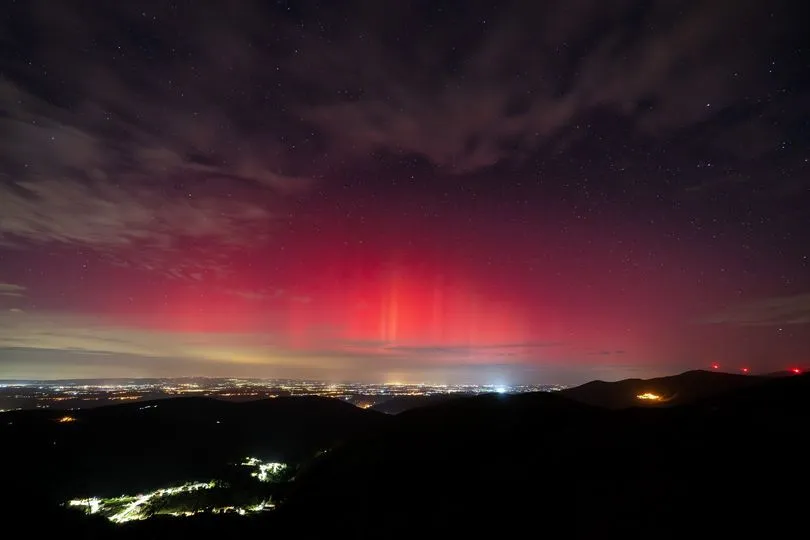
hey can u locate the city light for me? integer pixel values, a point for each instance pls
(169, 501)
(265, 472)
(77, 394)
(92, 504)
(66, 419)
(649, 396)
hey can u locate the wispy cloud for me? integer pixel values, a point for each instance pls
(779, 310)
(257, 295)
(107, 215)
(109, 178)
(466, 349)
(10, 289)
(61, 332)
(497, 102)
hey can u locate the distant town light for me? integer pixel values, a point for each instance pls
(66, 419)
(132, 507)
(649, 396)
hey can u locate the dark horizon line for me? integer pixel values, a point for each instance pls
(182, 377)
(320, 381)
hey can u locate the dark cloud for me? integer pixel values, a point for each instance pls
(262, 92)
(152, 124)
(514, 78)
(777, 311)
(106, 214)
(111, 138)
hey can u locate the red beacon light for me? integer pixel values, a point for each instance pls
(745, 370)
(796, 370)
(715, 366)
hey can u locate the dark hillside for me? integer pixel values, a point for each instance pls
(680, 389)
(138, 446)
(549, 464)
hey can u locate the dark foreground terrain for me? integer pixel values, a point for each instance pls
(722, 456)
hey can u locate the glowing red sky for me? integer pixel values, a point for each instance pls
(528, 193)
(463, 299)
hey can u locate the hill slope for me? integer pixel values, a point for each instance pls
(399, 404)
(144, 445)
(546, 463)
(680, 389)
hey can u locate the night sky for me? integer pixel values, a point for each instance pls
(510, 192)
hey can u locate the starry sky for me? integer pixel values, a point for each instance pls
(450, 192)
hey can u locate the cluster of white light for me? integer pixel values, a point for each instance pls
(134, 509)
(92, 504)
(268, 469)
(265, 471)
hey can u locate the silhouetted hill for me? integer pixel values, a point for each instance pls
(680, 389)
(545, 463)
(137, 446)
(724, 463)
(783, 373)
(414, 466)
(399, 404)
